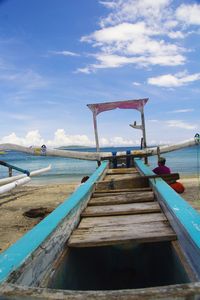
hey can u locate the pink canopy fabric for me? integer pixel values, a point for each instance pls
(97, 108)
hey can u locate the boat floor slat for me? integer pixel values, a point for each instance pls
(122, 171)
(122, 199)
(101, 236)
(91, 222)
(121, 209)
(120, 183)
(132, 176)
(101, 192)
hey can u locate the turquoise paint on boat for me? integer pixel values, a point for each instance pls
(16, 255)
(185, 213)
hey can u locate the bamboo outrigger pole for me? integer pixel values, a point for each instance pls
(101, 155)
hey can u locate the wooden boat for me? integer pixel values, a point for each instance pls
(123, 234)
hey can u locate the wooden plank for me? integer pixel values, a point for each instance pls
(102, 193)
(122, 171)
(184, 262)
(140, 233)
(120, 220)
(122, 209)
(169, 178)
(109, 177)
(122, 199)
(138, 182)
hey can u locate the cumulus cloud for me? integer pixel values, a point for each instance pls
(61, 138)
(181, 124)
(138, 32)
(189, 14)
(176, 80)
(31, 138)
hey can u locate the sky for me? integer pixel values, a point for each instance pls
(57, 56)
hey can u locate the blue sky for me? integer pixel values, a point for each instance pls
(56, 56)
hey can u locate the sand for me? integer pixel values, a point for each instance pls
(13, 205)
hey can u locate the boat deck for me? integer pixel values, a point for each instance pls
(116, 214)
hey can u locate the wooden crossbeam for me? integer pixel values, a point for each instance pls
(109, 221)
(102, 193)
(138, 182)
(122, 198)
(122, 209)
(122, 171)
(140, 233)
(130, 176)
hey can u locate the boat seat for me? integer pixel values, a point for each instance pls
(169, 178)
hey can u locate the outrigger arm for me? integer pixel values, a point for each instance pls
(97, 156)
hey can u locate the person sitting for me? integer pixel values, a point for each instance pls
(162, 169)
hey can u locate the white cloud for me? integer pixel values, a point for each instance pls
(176, 80)
(137, 32)
(64, 53)
(180, 124)
(189, 14)
(31, 138)
(61, 138)
(182, 110)
(86, 70)
(129, 10)
(136, 83)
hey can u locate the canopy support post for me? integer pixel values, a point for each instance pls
(96, 132)
(144, 133)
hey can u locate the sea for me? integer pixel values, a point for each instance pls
(67, 170)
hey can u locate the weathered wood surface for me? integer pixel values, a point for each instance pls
(184, 291)
(122, 209)
(122, 171)
(138, 182)
(122, 199)
(103, 235)
(110, 221)
(185, 263)
(105, 193)
(169, 178)
(109, 177)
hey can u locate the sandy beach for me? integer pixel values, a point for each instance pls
(16, 204)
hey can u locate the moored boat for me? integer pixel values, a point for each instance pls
(123, 234)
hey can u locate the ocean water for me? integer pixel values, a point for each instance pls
(67, 170)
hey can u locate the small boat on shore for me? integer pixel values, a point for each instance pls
(123, 234)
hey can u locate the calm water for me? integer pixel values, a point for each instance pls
(68, 170)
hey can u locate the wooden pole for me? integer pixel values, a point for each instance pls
(144, 133)
(143, 128)
(96, 132)
(10, 172)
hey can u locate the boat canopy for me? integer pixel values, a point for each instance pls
(97, 108)
(138, 104)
